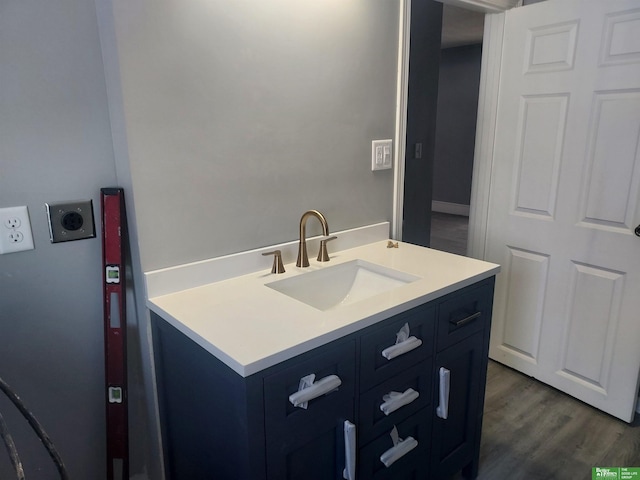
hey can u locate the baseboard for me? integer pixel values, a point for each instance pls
(451, 208)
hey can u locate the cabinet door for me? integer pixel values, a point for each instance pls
(456, 438)
(309, 455)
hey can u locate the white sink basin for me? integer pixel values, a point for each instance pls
(342, 284)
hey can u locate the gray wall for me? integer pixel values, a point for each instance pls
(456, 123)
(236, 117)
(55, 145)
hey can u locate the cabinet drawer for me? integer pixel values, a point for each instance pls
(464, 314)
(374, 367)
(373, 422)
(283, 419)
(413, 465)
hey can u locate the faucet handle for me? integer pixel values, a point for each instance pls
(323, 255)
(277, 267)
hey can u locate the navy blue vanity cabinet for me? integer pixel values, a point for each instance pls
(218, 425)
(464, 322)
(212, 419)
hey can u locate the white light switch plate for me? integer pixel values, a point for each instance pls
(15, 230)
(381, 154)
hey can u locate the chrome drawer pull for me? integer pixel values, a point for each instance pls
(349, 472)
(398, 349)
(400, 448)
(404, 344)
(309, 389)
(464, 321)
(395, 400)
(442, 409)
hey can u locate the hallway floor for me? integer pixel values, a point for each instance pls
(449, 232)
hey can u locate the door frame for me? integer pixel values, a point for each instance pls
(402, 102)
(486, 120)
(485, 133)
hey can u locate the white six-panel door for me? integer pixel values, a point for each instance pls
(565, 199)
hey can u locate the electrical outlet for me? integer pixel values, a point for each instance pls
(15, 230)
(12, 222)
(70, 221)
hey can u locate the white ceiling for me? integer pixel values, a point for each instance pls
(461, 26)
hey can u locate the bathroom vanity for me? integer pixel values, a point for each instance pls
(232, 381)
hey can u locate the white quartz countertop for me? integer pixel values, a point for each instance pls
(250, 327)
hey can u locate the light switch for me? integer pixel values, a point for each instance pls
(386, 156)
(381, 154)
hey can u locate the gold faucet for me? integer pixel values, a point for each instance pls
(303, 259)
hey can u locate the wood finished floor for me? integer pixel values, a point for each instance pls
(532, 431)
(449, 232)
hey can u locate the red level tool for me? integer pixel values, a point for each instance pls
(114, 240)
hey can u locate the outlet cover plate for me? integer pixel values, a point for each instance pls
(15, 230)
(71, 221)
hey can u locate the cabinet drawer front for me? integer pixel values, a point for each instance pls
(414, 464)
(464, 314)
(373, 422)
(282, 418)
(374, 367)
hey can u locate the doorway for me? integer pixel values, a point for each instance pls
(458, 87)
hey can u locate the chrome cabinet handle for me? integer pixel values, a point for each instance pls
(349, 472)
(400, 448)
(443, 394)
(315, 390)
(393, 401)
(401, 348)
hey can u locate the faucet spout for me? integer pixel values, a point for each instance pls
(303, 258)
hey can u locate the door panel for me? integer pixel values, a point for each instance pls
(525, 294)
(541, 133)
(565, 199)
(595, 296)
(611, 194)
